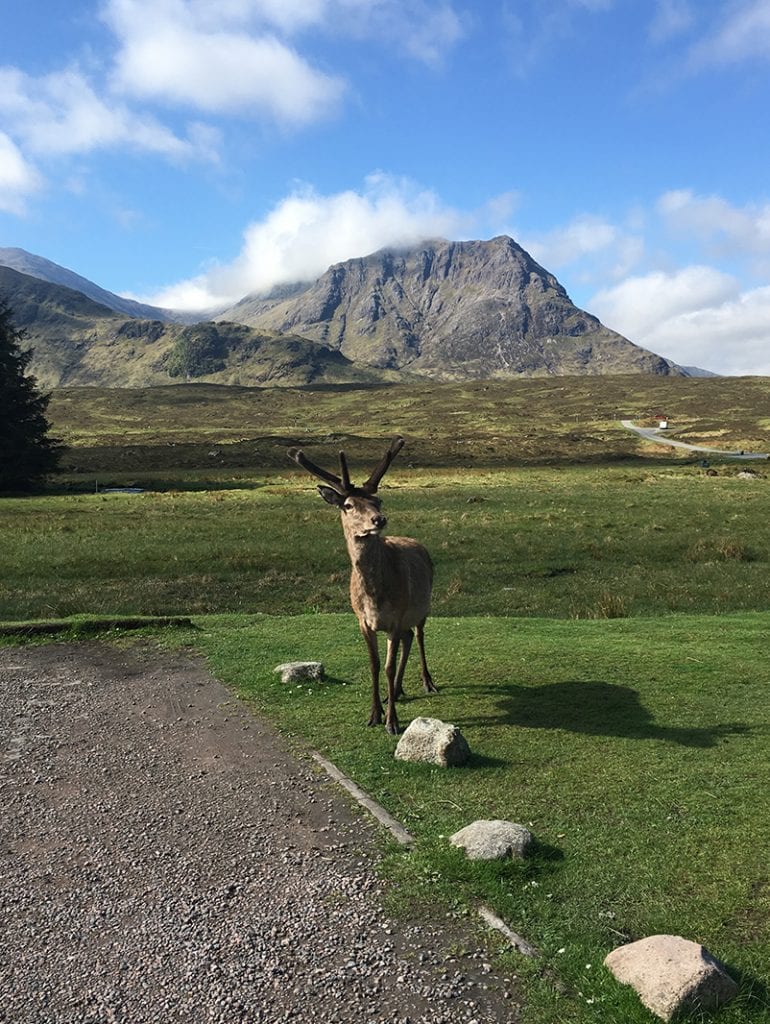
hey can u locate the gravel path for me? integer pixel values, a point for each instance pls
(164, 859)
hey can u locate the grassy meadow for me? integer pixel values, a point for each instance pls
(579, 542)
(599, 631)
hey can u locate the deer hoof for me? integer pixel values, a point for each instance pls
(392, 728)
(429, 686)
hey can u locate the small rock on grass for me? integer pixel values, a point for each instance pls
(297, 671)
(432, 741)
(493, 840)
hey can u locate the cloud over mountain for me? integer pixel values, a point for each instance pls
(306, 232)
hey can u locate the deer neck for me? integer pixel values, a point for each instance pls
(367, 555)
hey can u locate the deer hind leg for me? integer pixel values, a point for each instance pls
(406, 645)
(375, 718)
(427, 681)
(391, 718)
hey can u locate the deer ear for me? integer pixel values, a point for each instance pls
(331, 496)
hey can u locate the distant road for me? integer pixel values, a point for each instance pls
(657, 435)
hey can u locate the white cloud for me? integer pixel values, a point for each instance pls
(497, 211)
(286, 15)
(672, 18)
(636, 306)
(306, 233)
(429, 33)
(724, 228)
(732, 337)
(233, 57)
(423, 29)
(61, 113)
(228, 58)
(696, 316)
(603, 249)
(165, 56)
(744, 34)
(583, 235)
(18, 178)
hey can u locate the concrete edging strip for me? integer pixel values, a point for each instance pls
(401, 835)
(396, 829)
(519, 943)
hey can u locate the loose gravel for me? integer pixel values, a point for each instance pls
(164, 858)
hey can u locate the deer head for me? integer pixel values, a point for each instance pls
(360, 507)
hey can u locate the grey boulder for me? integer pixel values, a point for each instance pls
(493, 840)
(298, 671)
(432, 741)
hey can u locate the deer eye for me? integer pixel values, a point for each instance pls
(347, 506)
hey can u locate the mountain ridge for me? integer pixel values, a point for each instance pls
(46, 270)
(76, 341)
(442, 310)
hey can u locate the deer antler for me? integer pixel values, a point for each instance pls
(346, 481)
(370, 485)
(340, 485)
(343, 484)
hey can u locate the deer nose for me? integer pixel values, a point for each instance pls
(380, 522)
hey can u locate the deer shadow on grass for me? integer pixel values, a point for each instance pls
(595, 708)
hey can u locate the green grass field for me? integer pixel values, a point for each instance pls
(583, 542)
(599, 633)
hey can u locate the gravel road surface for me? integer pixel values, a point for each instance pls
(658, 436)
(164, 858)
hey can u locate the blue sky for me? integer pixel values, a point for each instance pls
(188, 152)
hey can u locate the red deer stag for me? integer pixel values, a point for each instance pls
(391, 578)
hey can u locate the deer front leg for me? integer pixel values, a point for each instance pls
(375, 718)
(391, 718)
(406, 645)
(427, 681)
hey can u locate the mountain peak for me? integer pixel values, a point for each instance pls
(451, 310)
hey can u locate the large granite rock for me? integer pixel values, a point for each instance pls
(300, 671)
(672, 975)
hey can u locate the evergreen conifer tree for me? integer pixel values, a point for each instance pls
(27, 453)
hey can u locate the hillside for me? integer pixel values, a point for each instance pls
(76, 341)
(451, 311)
(46, 270)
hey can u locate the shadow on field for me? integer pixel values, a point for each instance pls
(597, 708)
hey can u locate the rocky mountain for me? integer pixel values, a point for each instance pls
(76, 341)
(443, 310)
(45, 270)
(450, 310)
